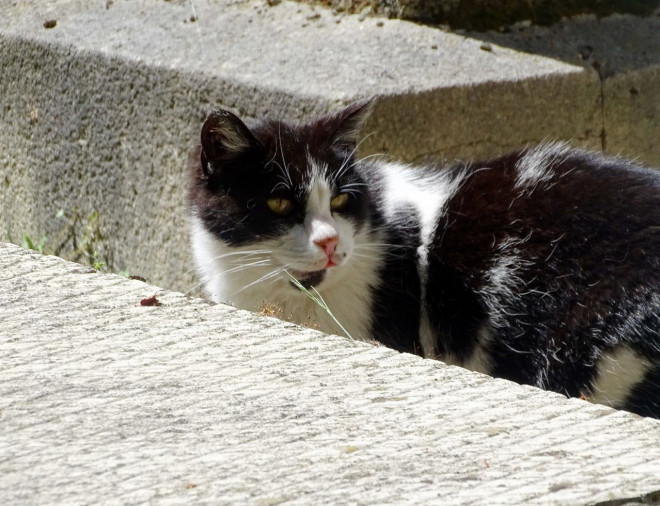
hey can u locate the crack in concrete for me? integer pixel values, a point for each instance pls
(602, 75)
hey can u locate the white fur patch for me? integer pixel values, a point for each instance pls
(426, 191)
(618, 371)
(224, 270)
(503, 279)
(536, 165)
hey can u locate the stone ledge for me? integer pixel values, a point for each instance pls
(104, 399)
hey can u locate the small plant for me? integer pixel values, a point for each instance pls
(98, 264)
(318, 300)
(78, 239)
(28, 243)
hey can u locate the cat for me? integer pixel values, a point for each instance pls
(541, 266)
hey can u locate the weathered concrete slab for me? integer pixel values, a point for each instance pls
(103, 400)
(100, 111)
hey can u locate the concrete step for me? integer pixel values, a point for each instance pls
(104, 400)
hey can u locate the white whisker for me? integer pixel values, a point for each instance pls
(261, 279)
(194, 287)
(374, 155)
(371, 257)
(361, 160)
(285, 169)
(344, 166)
(242, 267)
(377, 246)
(244, 253)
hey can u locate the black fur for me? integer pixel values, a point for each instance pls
(396, 305)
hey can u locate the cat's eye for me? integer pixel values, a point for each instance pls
(339, 202)
(280, 206)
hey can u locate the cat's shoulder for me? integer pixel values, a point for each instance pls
(557, 168)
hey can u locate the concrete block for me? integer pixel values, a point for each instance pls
(100, 111)
(477, 121)
(105, 400)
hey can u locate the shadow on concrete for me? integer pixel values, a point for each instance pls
(612, 45)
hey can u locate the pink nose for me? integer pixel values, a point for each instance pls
(328, 244)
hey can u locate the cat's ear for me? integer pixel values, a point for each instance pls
(224, 138)
(350, 122)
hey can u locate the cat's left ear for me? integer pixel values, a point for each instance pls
(349, 123)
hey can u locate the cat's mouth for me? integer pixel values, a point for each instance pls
(309, 279)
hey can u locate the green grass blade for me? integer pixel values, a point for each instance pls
(319, 301)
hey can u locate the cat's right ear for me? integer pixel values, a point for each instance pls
(224, 138)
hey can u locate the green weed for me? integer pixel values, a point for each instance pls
(318, 300)
(78, 240)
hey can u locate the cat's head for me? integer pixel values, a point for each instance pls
(288, 191)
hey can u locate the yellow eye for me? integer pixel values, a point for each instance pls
(280, 206)
(339, 202)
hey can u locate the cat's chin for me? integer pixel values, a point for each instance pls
(309, 279)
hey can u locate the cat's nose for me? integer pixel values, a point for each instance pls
(328, 244)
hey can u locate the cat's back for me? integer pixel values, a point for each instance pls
(545, 264)
(551, 198)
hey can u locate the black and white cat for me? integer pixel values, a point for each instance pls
(542, 266)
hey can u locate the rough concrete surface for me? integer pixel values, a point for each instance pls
(100, 111)
(103, 400)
